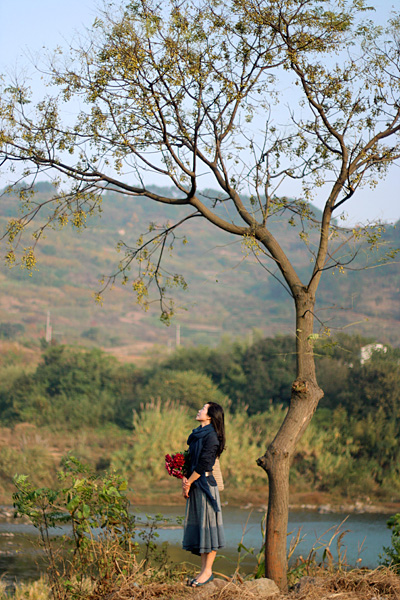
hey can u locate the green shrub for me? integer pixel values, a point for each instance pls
(70, 386)
(102, 530)
(158, 429)
(391, 554)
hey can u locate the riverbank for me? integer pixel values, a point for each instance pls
(364, 537)
(358, 535)
(242, 501)
(358, 584)
(257, 500)
(39, 451)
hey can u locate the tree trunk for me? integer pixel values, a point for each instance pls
(277, 459)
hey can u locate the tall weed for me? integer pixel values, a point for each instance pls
(35, 460)
(161, 428)
(33, 590)
(244, 443)
(158, 429)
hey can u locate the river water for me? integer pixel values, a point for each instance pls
(364, 537)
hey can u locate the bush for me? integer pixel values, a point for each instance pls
(391, 556)
(158, 429)
(71, 386)
(9, 331)
(102, 530)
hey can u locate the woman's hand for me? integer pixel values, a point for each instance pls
(185, 487)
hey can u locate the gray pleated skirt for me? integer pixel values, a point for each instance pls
(203, 527)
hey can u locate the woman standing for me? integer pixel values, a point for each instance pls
(203, 529)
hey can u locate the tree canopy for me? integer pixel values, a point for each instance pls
(196, 92)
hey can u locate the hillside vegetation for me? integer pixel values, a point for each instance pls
(125, 417)
(228, 292)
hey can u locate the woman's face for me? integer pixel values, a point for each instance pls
(202, 415)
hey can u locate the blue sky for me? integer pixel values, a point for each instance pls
(30, 25)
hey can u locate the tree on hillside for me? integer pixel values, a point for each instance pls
(193, 92)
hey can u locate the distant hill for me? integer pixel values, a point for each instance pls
(227, 294)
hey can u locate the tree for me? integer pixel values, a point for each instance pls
(191, 92)
(186, 388)
(71, 386)
(224, 365)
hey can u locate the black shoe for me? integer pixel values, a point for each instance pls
(194, 583)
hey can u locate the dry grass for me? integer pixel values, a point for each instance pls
(35, 590)
(380, 584)
(222, 590)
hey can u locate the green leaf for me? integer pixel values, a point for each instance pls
(73, 504)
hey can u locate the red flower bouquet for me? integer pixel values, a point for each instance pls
(177, 465)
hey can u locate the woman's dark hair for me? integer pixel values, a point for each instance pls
(216, 413)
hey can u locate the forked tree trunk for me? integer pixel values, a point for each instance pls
(276, 461)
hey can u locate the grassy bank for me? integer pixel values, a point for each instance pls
(323, 585)
(159, 429)
(126, 560)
